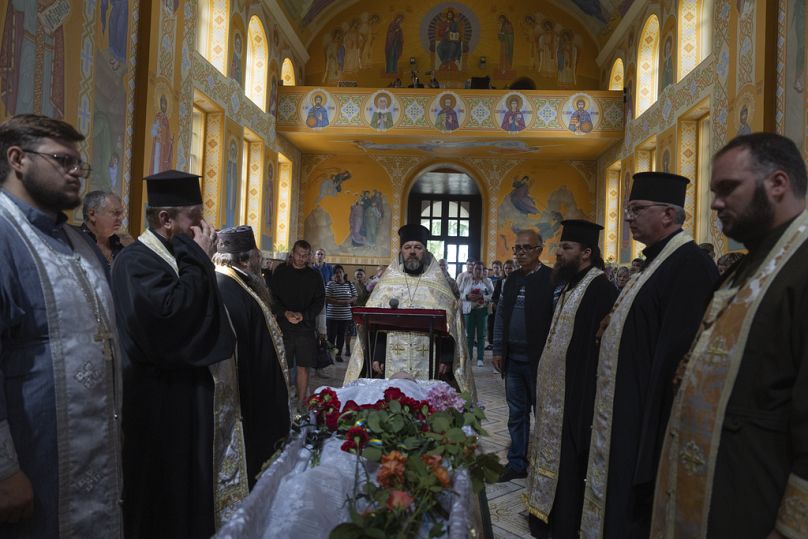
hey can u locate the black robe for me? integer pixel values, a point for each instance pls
(658, 331)
(171, 328)
(262, 387)
(765, 432)
(579, 403)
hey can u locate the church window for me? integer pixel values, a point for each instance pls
(255, 85)
(647, 65)
(616, 78)
(288, 72)
(211, 31)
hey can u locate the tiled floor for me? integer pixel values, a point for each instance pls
(508, 512)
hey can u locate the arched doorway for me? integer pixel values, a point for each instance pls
(448, 202)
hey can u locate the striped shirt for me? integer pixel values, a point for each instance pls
(341, 291)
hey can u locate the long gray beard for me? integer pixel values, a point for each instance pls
(259, 286)
(413, 265)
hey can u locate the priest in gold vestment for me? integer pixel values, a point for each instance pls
(414, 281)
(735, 459)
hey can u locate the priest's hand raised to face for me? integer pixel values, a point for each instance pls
(16, 498)
(205, 237)
(378, 367)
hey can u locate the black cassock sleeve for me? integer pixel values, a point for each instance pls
(168, 320)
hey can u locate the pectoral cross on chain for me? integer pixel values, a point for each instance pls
(105, 338)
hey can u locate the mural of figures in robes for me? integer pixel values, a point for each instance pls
(666, 161)
(505, 37)
(580, 119)
(567, 58)
(344, 200)
(231, 200)
(352, 42)
(743, 121)
(318, 114)
(267, 198)
(449, 33)
(236, 72)
(394, 44)
(20, 65)
(367, 36)
(334, 51)
(116, 29)
(533, 34)
(382, 111)
(273, 96)
(548, 46)
(162, 139)
(667, 63)
(529, 204)
(794, 114)
(625, 232)
(513, 119)
(446, 115)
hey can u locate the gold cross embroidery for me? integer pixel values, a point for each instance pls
(105, 338)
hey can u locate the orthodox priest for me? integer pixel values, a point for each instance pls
(183, 459)
(262, 371)
(414, 281)
(60, 370)
(735, 462)
(648, 331)
(565, 387)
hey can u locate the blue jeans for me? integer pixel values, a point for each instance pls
(520, 394)
(475, 324)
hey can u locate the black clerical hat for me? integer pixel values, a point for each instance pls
(659, 187)
(173, 188)
(581, 231)
(237, 239)
(413, 232)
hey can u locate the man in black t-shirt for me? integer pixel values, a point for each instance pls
(298, 296)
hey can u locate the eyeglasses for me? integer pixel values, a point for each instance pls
(633, 211)
(524, 248)
(69, 163)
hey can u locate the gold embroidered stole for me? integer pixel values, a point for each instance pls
(272, 324)
(544, 454)
(597, 473)
(431, 291)
(687, 467)
(230, 485)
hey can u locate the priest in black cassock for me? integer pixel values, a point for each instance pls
(735, 461)
(262, 371)
(182, 455)
(565, 385)
(648, 331)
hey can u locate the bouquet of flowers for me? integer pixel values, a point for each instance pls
(407, 452)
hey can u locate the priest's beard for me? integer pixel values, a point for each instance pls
(413, 265)
(563, 272)
(257, 284)
(753, 222)
(48, 196)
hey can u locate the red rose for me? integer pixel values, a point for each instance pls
(348, 446)
(332, 420)
(393, 394)
(358, 435)
(350, 406)
(399, 499)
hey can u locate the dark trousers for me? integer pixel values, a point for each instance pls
(336, 332)
(520, 394)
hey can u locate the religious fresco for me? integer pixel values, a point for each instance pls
(347, 208)
(382, 111)
(268, 202)
(236, 70)
(514, 112)
(667, 62)
(449, 147)
(393, 44)
(94, 93)
(540, 195)
(162, 147)
(232, 185)
(318, 109)
(451, 32)
(447, 112)
(581, 113)
(793, 84)
(348, 46)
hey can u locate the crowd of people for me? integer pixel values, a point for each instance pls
(145, 382)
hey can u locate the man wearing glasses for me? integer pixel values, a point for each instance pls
(60, 409)
(648, 331)
(523, 318)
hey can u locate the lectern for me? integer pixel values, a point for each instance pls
(374, 319)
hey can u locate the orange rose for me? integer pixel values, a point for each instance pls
(399, 499)
(442, 475)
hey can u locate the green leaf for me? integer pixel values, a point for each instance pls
(373, 454)
(436, 530)
(440, 422)
(346, 530)
(456, 436)
(394, 406)
(374, 422)
(374, 532)
(395, 423)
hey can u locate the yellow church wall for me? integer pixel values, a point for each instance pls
(738, 74)
(528, 38)
(539, 195)
(76, 62)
